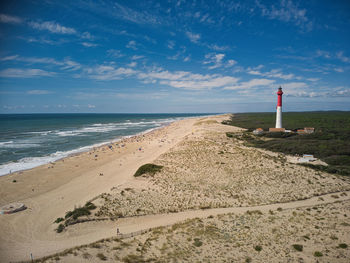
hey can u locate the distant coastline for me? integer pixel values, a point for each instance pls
(31, 140)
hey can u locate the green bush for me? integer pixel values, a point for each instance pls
(101, 256)
(60, 219)
(197, 242)
(90, 206)
(318, 254)
(298, 247)
(342, 245)
(81, 211)
(68, 214)
(229, 134)
(148, 168)
(60, 228)
(338, 159)
(258, 248)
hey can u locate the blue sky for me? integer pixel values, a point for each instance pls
(173, 56)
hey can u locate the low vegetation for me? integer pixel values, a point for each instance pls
(72, 216)
(149, 168)
(265, 237)
(298, 247)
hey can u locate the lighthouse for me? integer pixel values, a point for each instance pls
(279, 108)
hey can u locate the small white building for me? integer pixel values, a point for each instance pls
(258, 131)
(307, 158)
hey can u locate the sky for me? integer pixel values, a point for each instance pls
(173, 56)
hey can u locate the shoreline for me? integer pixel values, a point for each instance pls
(50, 190)
(51, 158)
(204, 171)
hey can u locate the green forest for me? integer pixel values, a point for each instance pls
(330, 142)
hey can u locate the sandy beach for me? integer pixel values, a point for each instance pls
(205, 174)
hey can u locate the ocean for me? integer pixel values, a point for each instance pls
(30, 140)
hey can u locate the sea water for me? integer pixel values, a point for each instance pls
(30, 140)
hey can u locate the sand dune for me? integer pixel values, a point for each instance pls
(204, 173)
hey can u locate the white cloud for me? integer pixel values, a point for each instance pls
(274, 73)
(89, 44)
(87, 35)
(66, 64)
(294, 85)
(44, 40)
(132, 64)
(52, 27)
(188, 58)
(69, 64)
(313, 79)
(337, 69)
(115, 53)
(38, 92)
(217, 61)
(132, 45)
(340, 55)
(231, 62)
(297, 89)
(322, 53)
(193, 37)
(171, 44)
(9, 58)
(131, 15)
(214, 59)
(135, 57)
(287, 11)
(218, 48)
(10, 19)
(325, 92)
(251, 83)
(109, 72)
(24, 73)
(188, 80)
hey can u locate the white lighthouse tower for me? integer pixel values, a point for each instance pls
(279, 108)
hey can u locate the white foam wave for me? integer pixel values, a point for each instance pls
(40, 133)
(5, 143)
(95, 128)
(18, 144)
(31, 162)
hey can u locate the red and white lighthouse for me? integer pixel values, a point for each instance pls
(279, 108)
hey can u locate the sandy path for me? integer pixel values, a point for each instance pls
(72, 183)
(86, 233)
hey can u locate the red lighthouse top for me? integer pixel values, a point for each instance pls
(279, 97)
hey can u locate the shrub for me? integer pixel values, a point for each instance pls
(258, 248)
(133, 259)
(101, 256)
(60, 228)
(68, 214)
(90, 206)
(298, 247)
(81, 211)
(318, 254)
(197, 242)
(60, 219)
(342, 245)
(229, 134)
(148, 168)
